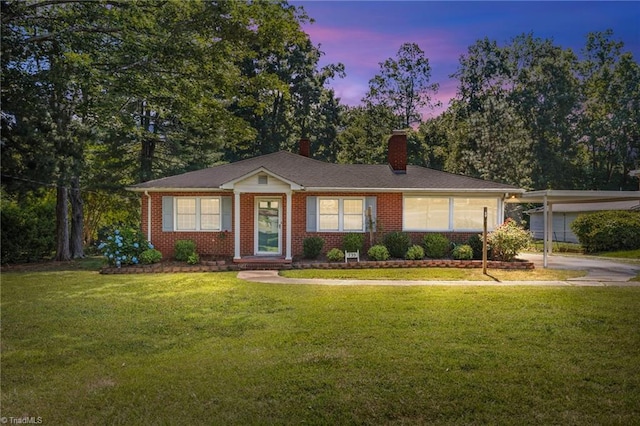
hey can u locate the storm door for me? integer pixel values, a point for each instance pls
(269, 226)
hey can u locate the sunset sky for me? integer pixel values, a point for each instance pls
(360, 34)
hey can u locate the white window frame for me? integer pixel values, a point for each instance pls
(341, 214)
(198, 215)
(451, 228)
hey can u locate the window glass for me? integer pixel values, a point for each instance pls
(468, 213)
(185, 214)
(329, 214)
(353, 220)
(328, 206)
(426, 213)
(340, 214)
(209, 213)
(197, 213)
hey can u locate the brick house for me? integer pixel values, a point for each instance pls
(266, 206)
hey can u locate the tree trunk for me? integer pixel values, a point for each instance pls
(62, 225)
(77, 219)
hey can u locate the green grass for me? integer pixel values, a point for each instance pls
(436, 274)
(81, 348)
(622, 254)
(557, 246)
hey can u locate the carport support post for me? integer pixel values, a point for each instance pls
(545, 233)
(484, 243)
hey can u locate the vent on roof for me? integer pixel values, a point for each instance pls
(263, 180)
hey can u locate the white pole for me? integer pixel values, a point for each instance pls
(545, 231)
(236, 225)
(288, 231)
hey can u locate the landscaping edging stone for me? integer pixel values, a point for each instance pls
(221, 265)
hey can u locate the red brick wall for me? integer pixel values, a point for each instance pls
(207, 243)
(389, 217)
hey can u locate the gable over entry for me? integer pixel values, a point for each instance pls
(550, 197)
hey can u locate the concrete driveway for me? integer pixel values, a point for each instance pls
(598, 269)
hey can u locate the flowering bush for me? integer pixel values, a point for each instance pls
(508, 240)
(124, 247)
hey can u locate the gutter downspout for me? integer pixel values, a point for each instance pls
(148, 215)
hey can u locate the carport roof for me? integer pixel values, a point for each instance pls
(554, 196)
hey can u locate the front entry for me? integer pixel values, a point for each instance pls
(268, 227)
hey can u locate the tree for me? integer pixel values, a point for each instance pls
(610, 129)
(516, 106)
(285, 96)
(403, 85)
(363, 140)
(46, 48)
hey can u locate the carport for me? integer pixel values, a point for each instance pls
(549, 197)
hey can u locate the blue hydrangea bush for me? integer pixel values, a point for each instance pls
(124, 246)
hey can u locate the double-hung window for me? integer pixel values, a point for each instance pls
(197, 213)
(341, 214)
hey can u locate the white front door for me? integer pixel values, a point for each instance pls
(268, 235)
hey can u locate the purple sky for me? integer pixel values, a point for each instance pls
(360, 34)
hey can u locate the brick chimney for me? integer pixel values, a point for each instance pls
(398, 151)
(305, 147)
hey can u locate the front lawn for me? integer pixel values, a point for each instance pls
(82, 348)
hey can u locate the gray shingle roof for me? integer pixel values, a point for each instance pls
(319, 175)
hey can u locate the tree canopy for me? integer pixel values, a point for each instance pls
(98, 95)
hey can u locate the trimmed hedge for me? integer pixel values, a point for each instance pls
(335, 255)
(436, 246)
(397, 243)
(184, 249)
(352, 242)
(608, 230)
(312, 247)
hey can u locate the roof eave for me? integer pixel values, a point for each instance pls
(167, 189)
(422, 190)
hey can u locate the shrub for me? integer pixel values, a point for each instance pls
(352, 242)
(475, 241)
(28, 227)
(312, 246)
(193, 259)
(150, 256)
(462, 252)
(124, 247)
(608, 230)
(183, 249)
(508, 240)
(335, 255)
(397, 243)
(378, 252)
(436, 246)
(415, 252)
